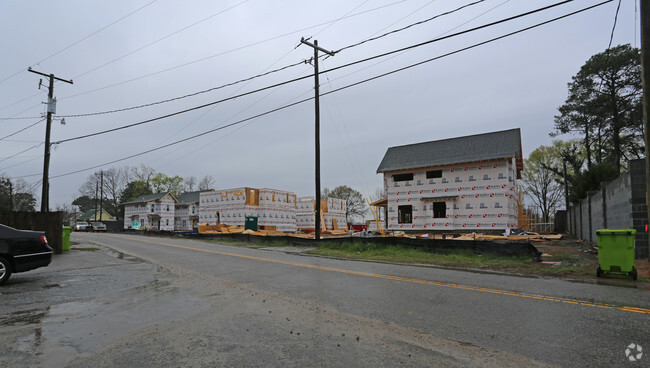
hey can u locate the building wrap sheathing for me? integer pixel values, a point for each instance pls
(332, 209)
(476, 197)
(273, 208)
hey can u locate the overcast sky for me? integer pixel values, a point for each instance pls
(126, 53)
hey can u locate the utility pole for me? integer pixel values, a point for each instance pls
(317, 129)
(101, 195)
(51, 109)
(11, 196)
(566, 199)
(96, 190)
(645, 80)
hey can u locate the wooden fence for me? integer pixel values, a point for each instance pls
(49, 222)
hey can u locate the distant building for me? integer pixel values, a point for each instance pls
(151, 211)
(96, 215)
(273, 208)
(186, 213)
(464, 184)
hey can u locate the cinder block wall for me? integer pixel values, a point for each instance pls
(621, 204)
(639, 207)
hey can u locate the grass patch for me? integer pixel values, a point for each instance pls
(392, 253)
(571, 266)
(247, 244)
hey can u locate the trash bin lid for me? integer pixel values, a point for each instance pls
(616, 232)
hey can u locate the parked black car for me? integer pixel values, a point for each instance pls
(22, 250)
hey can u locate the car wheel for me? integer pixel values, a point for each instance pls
(5, 270)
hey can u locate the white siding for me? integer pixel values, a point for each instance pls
(486, 197)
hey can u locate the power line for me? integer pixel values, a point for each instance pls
(210, 57)
(468, 47)
(23, 151)
(409, 26)
(611, 37)
(12, 134)
(229, 51)
(332, 91)
(330, 70)
(81, 40)
(182, 111)
(185, 96)
(21, 163)
(160, 39)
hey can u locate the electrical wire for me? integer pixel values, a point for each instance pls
(209, 57)
(330, 70)
(409, 26)
(23, 151)
(21, 163)
(228, 52)
(77, 42)
(611, 37)
(160, 39)
(332, 91)
(466, 48)
(23, 129)
(185, 96)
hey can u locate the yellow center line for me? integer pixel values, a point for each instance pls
(412, 280)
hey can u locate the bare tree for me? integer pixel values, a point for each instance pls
(190, 183)
(144, 174)
(115, 180)
(206, 183)
(355, 205)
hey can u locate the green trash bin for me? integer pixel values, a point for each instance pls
(616, 252)
(251, 223)
(66, 238)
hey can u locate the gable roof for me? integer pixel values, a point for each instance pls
(191, 197)
(103, 216)
(150, 197)
(471, 148)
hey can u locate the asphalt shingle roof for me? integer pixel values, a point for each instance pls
(191, 197)
(471, 148)
(147, 198)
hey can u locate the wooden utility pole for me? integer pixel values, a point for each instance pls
(645, 79)
(96, 190)
(51, 109)
(317, 212)
(101, 195)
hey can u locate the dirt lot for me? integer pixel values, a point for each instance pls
(572, 251)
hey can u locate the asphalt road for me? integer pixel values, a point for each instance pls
(167, 302)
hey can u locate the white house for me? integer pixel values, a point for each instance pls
(465, 184)
(186, 213)
(151, 211)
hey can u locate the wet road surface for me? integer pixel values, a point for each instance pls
(167, 302)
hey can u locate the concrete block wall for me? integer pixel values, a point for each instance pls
(620, 204)
(639, 207)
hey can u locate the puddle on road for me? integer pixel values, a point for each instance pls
(59, 333)
(120, 255)
(26, 317)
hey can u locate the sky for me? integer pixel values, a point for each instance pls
(124, 54)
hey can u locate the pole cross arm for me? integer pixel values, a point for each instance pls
(49, 75)
(330, 53)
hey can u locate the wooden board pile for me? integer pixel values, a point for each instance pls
(220, 229)
(529, 236)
